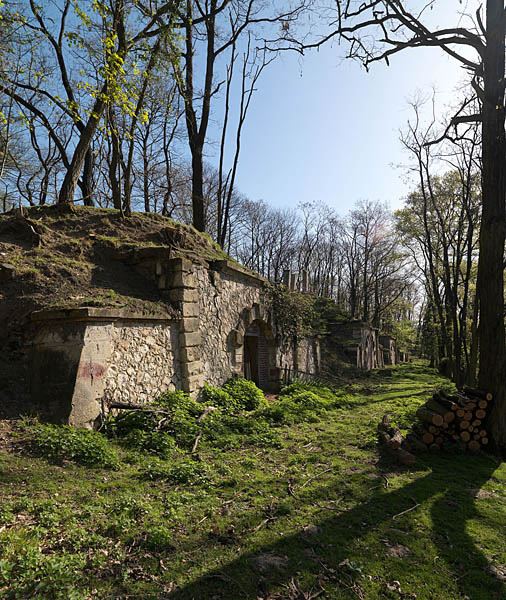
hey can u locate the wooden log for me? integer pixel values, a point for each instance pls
(468, 416)
(460, 413)
(476, 423)
(404, 457)
(390, 436)
(470, 429)
(483, 433)
(434, 447)
(393, 439)
(385, 423)
(438, 440)
(427, 438)
(465, 436)
(464, 424)
(445, 425)
(384, 437)
(429, 416)
(462, 399)
(423, 434)
(478, 393)
(445, 402)
(476, 436)
(433, 429)
(484, 441)
(435, 406)
(396, 439)
(450, 397)
(413, 443)
(480, 414)
(483, 404)
(473, 445)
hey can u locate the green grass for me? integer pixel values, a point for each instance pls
(318, 512)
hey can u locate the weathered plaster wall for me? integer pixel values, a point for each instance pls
(361, 345)
(83, 359)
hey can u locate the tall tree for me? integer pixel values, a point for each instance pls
(378, 29)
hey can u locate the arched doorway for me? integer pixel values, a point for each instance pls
(258, 354)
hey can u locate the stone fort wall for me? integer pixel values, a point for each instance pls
(85, 359)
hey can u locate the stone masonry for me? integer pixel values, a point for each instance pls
(85, 359)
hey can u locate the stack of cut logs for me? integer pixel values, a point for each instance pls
(453, 418)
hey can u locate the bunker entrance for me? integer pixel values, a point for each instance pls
(258, 354)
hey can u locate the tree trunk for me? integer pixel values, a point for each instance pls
(490, 283)
(114, 164)
(473, 350)
(69, 184)
(86, 183)
(198, 189)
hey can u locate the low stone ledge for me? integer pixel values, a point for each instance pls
(97, 314)
(228, 265)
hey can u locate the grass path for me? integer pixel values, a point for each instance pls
(322, 516)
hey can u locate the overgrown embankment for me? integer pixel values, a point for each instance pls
(67, 257)
(290, 499)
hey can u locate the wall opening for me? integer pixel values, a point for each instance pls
(259, 355)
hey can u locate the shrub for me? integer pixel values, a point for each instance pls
(6, 514)
(297, 407)
(220, 398)
(31, 574)
(153, 442)
(246, 393)
(126, 422)
(61, 442)
(174, 401)
(174, 414)
(232, 431)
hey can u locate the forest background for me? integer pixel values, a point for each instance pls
(144, 105)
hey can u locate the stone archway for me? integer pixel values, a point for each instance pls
(254, 348)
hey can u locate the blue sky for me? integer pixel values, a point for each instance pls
(320, 128)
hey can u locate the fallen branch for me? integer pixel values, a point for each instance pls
(137, 407)
(407, 510)
(315, 477)
(196, 442)
(260, 525)
(207, 411)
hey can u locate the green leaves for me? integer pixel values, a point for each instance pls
(293, 312)
(61, 442)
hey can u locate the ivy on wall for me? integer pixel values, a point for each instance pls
(293, 313)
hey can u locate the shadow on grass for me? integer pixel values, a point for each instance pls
(445, 490)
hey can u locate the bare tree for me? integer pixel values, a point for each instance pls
(375, 30)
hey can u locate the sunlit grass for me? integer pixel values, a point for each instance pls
(321, 514)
